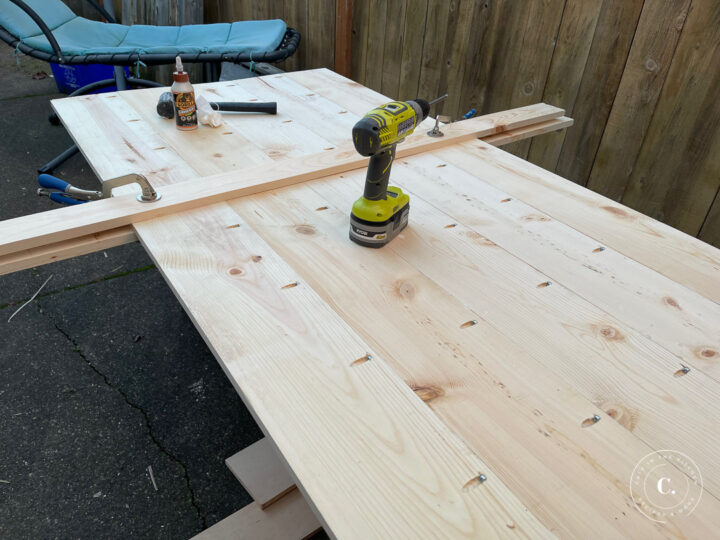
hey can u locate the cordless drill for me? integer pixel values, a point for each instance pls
(382, 212)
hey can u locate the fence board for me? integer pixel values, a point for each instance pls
(638, 76)
(647, 66)
(678, 171)
(603, 70)
(566, 71)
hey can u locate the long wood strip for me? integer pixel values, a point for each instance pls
(74, 247)
(681, 320)
(348, 427)
(622, 372)
(88, 244)
(47, 227)
(680, 257)
(495, 395)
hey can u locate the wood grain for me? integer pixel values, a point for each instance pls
(336, 424)
(678, 172)
(476, 379)
(602, 73)
(575, 37)
(54, 226)
(642, 80)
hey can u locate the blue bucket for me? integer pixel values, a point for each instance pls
(71, 77)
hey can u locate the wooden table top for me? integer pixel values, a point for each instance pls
(449, 384)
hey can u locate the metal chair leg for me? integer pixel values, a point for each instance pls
(51, 165)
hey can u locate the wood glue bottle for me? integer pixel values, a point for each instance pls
(183, 99)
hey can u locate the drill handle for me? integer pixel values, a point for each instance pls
(378, 174)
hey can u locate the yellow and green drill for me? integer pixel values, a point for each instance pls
(382, 212)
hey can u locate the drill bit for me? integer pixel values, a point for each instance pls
(438, 99)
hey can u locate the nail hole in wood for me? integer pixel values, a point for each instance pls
(235, 226)
(451, 226)
(329, 148)
(291, 285)
(544, 284)
(159, 148)
(594, 419)
(342, 112)
(256, 258)
(286, 121)
(598, 249)
(361, 360)
(468, 324)
(682, 372)
(227, 133)
(320, 208)
(507, 200)
(442, 165)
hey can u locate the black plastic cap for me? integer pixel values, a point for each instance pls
(425, 106)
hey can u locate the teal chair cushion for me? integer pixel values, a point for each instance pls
(79, 36)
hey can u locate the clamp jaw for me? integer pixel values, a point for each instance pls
(62, 192)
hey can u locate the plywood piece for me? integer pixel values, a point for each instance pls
(338, 418)
(260, 471)
(290, 517)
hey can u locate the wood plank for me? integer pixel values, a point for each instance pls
(291, 517)
(300, 376)
(373, 56)
(296, 16)
(66, 250)
(677, 173)
(261, 472)
(476, 379)
(534, 130)
(123, 235)
(359, 42)
(611, 43)
(535, 52)
(670, 252)
(680, 320)
(413, 36)
(321, 34)
(647, 66)
(394, 41)
(622, 371)
(343, 36)
(27, 232)
(432, 57)
(566, 72)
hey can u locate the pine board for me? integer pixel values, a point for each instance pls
(441, 401)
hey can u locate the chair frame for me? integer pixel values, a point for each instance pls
(211, 63)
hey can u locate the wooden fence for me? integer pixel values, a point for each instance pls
(640, 78)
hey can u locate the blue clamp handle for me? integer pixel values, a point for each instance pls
(469, 114)
(51, 182)
(62, 199)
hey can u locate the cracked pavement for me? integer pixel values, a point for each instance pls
(102, 375)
